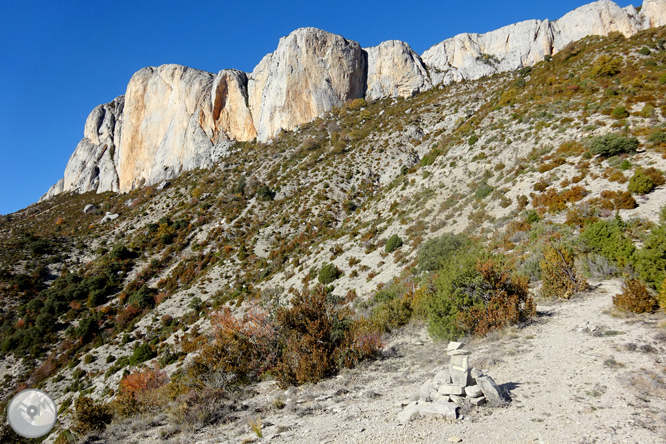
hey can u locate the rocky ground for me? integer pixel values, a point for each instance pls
(581, 372)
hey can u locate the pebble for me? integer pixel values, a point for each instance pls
(455, 439)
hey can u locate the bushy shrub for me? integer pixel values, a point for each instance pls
(394, 242)
(142, 353)
(635, 297)
(612, 145)
(473, 139)
(142, 298)
(139, 391)
(90, 416)
(661, 297)
(264, 193)
(650, 260)
(559, 276)
(482, 191)
(608, 239)
(606, 66)
(620, 113)
(644, 51)
(621, 200)
(328, 273)
(640, 183)
(477, 293)
(436, 251)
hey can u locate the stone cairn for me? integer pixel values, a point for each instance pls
(443, 395)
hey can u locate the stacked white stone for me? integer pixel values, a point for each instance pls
(450, 388)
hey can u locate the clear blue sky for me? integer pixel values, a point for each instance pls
(60, 59)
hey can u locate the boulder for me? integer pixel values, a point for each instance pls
(478, 401)
(473, 391)
(426, 389)
(89, 208)
(440, 409)
(411, 412)
(108, 217)
(442, 377)
(492, 391)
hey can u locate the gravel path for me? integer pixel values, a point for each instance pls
(581, 373)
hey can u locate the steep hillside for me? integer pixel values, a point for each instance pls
(517, 163)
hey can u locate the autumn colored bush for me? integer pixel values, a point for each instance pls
(635, 297)
(139, 391)
(556, 202)
(476, 293)
(559, 276)
(621, 200)
(90, 415)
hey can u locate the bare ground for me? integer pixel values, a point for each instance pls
(569, 384)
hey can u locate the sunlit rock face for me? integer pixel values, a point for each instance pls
(472, 56)
(310, 72)
(394, 69)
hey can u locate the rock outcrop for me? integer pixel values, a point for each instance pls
(394, 69)
(472, 56)
(173, 118)
(92, 166)
(310, 72)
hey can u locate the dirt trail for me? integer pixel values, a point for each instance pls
(568, 385)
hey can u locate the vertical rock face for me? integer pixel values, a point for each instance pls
(92, 166)
(471, 56)
(174, 118)
(394, 69)
(158, 122)
(310, 72)
(654, 12)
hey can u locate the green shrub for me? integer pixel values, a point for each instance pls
(482, 191)
(120, 252)
(608, 240)
(264, 193)
(142, 298)
(87, 329)
(142, 353)
(651, 258)
(645, 51)
(620, 113)
(436, 251)
(613, 145)
(662, 79)
(477, 293)
(640, 183)
(635, 297)
(394, 242)
(472, 139)
(328, 273)
(532, 217)
(657, 138)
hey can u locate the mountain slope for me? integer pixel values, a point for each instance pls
(506, 159)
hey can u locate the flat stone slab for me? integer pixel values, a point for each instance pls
(473, 391)
(441, 409)
(456, 399)
(458, 352)
(492, 391)
(448, 389)
(475, 372)
(454, 346)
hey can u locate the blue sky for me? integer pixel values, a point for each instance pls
(60, 59)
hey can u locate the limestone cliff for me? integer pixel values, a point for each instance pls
(471, 56)
(173, 118)
(394, 69)
(310, 72)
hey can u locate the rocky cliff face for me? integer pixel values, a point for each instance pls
(394, 69)
(472, 56)
(310, 72)
(173, 118)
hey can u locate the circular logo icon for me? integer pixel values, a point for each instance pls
(32, 413)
